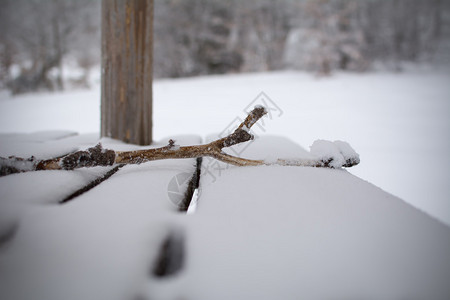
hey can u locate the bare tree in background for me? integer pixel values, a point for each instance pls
(193, 37)
(199, 37)
(404, 30)
(6, 43)
(263, 28)
(127, 55)
(328, 37)
(35, 36)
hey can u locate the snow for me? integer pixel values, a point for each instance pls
(273, 232)
(77, 110)
(397, 122)
(43, 145)
(337, 152)
(266, 232)
(20, 192)
(346, 150)
(306, 238)
(15, 163)
(102, 245)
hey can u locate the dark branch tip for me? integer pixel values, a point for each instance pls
(257, 113)
(238, 136)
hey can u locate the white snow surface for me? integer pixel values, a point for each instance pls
(322, 234)
(398, 122)
(273, 232)
(266, 232)
(101, 246)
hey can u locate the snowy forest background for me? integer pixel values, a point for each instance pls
(49, 45)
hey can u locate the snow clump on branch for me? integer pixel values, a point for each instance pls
(336, 154)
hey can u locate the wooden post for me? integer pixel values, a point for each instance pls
(127, 67)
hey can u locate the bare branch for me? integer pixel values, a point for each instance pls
(94, 156)
(213, 149)
(97, 156)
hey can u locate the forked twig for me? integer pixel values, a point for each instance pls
(97, 156)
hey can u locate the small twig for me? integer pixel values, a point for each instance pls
(97, 156)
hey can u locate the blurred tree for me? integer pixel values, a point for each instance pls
(263, 27)
(328, 37)
(214, 54)
(35, 36)
(6, 44)
(127, 55)
(199, 37)
(192, 37)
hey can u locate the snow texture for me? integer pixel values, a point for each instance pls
(102, 245)
(16, 163)
(273, 232)
(398, 122)
(338, 153)
(267, 232)
(43, 145)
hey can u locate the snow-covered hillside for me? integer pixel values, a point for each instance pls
(398, 123)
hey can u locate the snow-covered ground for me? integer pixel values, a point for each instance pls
(398, 123)
(265, 232)
(272, 232)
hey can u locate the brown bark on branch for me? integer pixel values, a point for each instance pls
(213, 149)
(97, 156)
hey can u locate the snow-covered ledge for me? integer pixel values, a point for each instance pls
(262, 232)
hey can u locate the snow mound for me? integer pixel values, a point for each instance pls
(15, 164)
(338, 154)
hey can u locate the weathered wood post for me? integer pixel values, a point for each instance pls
(127, 67)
